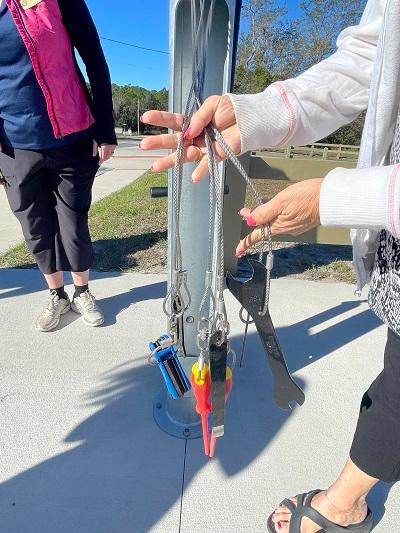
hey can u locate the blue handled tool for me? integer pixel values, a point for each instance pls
(164, 355)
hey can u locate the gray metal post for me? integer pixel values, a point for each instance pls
(177, 417)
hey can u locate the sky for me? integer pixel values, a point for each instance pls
(142, 23)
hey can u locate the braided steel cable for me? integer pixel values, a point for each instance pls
(215, 319)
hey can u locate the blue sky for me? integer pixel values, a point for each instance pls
(143, 23)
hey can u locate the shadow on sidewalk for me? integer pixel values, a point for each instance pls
(121, 476)
(302, 348)
(14, 283)
(117, 303)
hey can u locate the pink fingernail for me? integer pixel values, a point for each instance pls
(279, 525)
(251, 222)
(239, 254)
(187, 133)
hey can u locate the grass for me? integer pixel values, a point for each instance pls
(266, 188)
(128, 228)
(129, 231)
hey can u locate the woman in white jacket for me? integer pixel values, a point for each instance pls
(363, 73)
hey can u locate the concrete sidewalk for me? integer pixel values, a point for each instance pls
(80, 452)
(128, 165)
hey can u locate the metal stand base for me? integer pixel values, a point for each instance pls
(177, 417)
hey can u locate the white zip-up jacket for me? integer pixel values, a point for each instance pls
(363, 73)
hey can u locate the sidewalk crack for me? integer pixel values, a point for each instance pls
(183, 487)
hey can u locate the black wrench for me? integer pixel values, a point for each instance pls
(251, 295)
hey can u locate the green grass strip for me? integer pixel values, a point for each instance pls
(128, 228)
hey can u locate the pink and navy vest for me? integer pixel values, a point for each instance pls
(50, 51)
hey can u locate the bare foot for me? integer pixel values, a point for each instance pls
(320, 502)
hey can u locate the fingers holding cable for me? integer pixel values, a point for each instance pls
(163, 119)
(202, 117)
(282, 225)
(192, 154)
(250, 240)
(292, 212)
(169, 141)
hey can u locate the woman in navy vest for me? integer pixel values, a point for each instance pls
(53, 137)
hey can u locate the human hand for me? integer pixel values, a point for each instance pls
(217, 110)
(105, 151)
(293, 211)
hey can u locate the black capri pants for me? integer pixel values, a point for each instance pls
(376, 445)
(50, 192)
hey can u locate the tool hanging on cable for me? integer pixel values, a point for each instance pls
(163, 354)
(250, 294)
(228, 390)
(201, 386)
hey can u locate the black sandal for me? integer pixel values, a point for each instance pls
(304, 509)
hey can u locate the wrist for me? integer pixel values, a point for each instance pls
(258, 130)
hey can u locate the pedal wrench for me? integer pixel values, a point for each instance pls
(250, 294)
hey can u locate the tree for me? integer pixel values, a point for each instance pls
(251, 81)
(125, 104)
(264, 46)
(321, 22)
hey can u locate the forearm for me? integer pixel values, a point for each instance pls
(102, 106)
(362, 198)
(85, 39)
(307, 108)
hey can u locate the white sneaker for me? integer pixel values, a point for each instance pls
(51, 314)
(86, 305)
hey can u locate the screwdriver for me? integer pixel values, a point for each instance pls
(201, 383)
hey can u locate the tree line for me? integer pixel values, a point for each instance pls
(131, 101)
(275, 43)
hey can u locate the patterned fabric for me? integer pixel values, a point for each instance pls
(384, 294)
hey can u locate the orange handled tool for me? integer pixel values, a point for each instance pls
(201, 384)
(228, 390)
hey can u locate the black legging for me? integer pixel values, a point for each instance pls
(376, 445)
